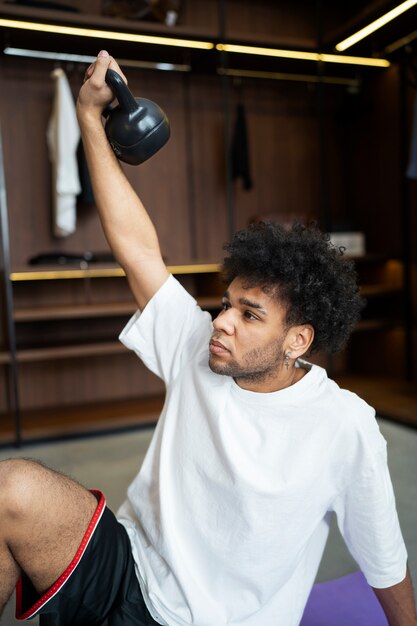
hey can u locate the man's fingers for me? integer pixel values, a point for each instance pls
(100, 67)
(115, 66)
(95, 75)
(97, 70)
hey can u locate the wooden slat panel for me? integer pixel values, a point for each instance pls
(208, 166)
(199, 18)
(65, 382)
(162, 181)
(283, 151)
(272, 21)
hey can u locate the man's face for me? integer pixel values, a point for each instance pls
(248, 337)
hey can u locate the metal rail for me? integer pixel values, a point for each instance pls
(8, 302)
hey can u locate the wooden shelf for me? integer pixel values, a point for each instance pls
(34, 355)
(4, 358)
(86, 419)
(76, 273)
(68, 352)
(82, 311)
(108, 309)
(371, 291)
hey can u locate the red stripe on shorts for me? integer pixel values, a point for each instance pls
(58, 584)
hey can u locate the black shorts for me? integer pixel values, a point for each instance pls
(99, 587)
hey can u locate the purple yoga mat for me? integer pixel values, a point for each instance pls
(346, 601)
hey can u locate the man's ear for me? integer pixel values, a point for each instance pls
(299, 340)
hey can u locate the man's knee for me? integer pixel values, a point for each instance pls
(21, 482)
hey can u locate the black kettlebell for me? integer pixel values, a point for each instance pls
(136, 128)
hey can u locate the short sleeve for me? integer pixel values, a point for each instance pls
(169, 330)
(368, 521)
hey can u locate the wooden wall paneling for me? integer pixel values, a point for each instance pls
(375, 164)
(335, 210)
(271, 21)
(197, 17)
(209, 170)
(283, 151)
(85, 380)
(378, 353)
(25, 102)
(161, 182)
(68, 332)
(3, 326)
(73, 292)
(7, 424)
(340, 156)
(202, 15)
(4, 389)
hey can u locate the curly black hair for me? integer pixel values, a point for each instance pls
(301, 267)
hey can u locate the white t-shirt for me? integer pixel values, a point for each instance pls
(229, 514)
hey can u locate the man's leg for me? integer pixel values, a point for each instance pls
(44, 516)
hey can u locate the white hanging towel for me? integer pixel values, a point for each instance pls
(63, 136)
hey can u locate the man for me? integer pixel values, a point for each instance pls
(227, 520)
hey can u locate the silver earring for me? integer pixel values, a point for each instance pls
(287, 359)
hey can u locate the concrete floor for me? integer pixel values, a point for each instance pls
(109, 463)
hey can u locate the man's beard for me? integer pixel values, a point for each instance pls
(258, 365)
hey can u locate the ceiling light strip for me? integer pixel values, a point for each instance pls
(369, 61)
(375, 25)
(305, 56)
(188, 43)
(105, 34)
(269, 52)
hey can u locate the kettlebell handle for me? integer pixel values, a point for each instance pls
(121, 91)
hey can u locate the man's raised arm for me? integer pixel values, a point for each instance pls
(126, 224)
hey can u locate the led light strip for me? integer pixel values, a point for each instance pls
(110, 272)
(268, 52)
(105, 34)
(336, 58)
(373, 26)
(305, 56)
(188, 43)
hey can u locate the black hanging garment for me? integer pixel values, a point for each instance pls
(86, 197)
(240, 150)
(412, 163)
